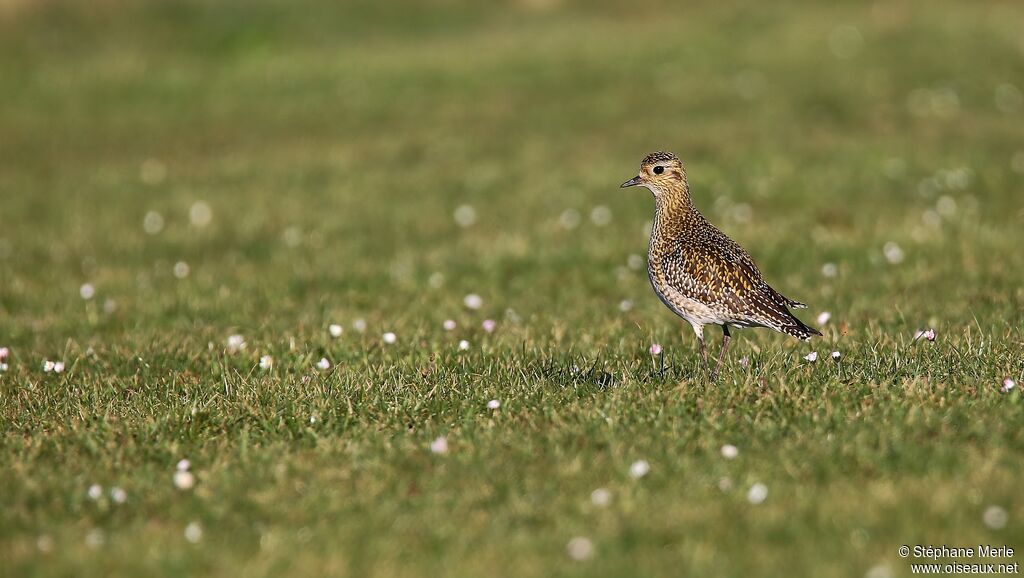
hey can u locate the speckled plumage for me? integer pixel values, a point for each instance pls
(700, 273)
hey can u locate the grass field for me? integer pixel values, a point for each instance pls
(175, 173)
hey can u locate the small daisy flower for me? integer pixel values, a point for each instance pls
(836, 355)
(58, 367)
(118, 495)
(313, 419)
(757, 494)
(1008, 385)
(829, 270)
(439, 445)
(236, 343)
(4, 353)
(493, 404)
(465, 216)
(730, 451)
(95, 492)
(928, 334)
(181, 269)
(266, 362)
(323, 364)
(995, 517)
(812, 356)
(744, 361)
(580, 548)
(463, 345)
(335, 330)
(48, 366)
(449, 325)
(184, 480)
(625, 305)
(489, 325)
(655, 349)
(193, 532)
(183, 465)
(3, 367)
(601, 497)
(359, 325)
(87, 291)
(639, 469)
(390, 338)
(473, 301)
(823, 317)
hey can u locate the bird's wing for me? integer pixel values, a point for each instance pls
(721, 275)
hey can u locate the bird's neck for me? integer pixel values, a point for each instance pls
(673, 214)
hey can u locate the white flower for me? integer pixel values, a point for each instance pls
(313, 419)
(184, 480)
(439, 445)
(823, 317)
(193, 532)
(639, 469)
(266, 362)
(236, 343)
(359, 325)
(995, 517)
(200, 214)
(465, 216)
(829, 270)
(893, 253)
(58, 367)
(87, 291)
(836, 355)
(95, 492)
(183, 465)
(730, 451)
(625, 305)
(3, 367)
(323, 364)
(493, 404)
(580, 548)
(601, 215)
(4, 353)
(449, 325)
(181, 269)
(473, 301)
(569, 219)
(335, 330)
(118, 495)
(48, 366)
(489, 325)
(928, 334)
(390, 338)
(463, 345)
(655, 349)
(153, 223)
(812, 356)
(744, 361)
(1008, 385)
(601, 497)
(757, 493)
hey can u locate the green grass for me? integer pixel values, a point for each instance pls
(334, 141)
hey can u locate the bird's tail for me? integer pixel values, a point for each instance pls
(799, 329)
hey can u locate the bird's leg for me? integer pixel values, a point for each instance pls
(721, 354)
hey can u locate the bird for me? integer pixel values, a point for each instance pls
(701, 274)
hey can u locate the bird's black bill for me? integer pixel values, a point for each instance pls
(631, 182)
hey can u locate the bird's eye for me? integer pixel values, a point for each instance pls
(659, 169)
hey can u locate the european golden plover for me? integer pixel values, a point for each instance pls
(701, 274)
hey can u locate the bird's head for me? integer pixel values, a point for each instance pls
(662, 173)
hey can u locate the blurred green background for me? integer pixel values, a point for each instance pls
(175, 172)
